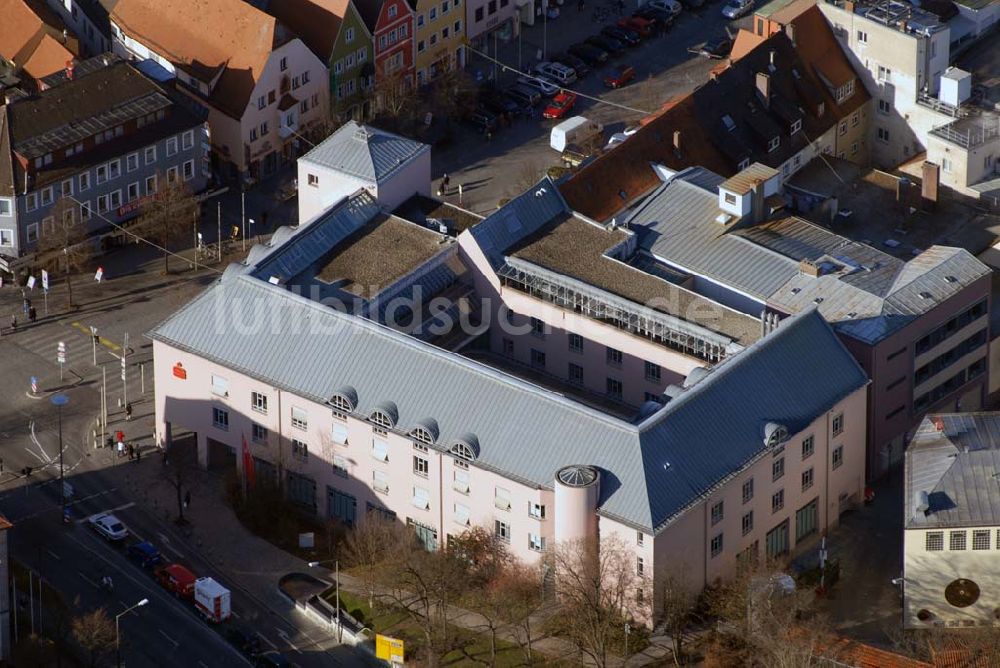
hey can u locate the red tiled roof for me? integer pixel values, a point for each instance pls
(317, 22)
(26, 38)
(859, 655)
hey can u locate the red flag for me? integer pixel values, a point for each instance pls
(248, 472)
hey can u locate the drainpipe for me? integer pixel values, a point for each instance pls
(281, 465)
(704, 542)
(441, 497)
(828, 470)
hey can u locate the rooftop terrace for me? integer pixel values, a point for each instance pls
(420, 209)
(972, 131)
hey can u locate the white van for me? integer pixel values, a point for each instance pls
(577, 130)
(557, 72)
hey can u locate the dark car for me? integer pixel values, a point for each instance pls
(245, 640)
(589, 53)
(619, 76)
(645, 27)
(482, 121)
(525, 97)
(663, 20)
(271, 660)
(145, 554)
(717, 48)
(569, 60)
(609, 44)
(623, 35)
(497, 103)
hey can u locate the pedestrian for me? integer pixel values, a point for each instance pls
(187, 498)
(13, 323)
(164, 459)
(121, 448)
(128, 411)
(131, 452)
(32, 314)
(138, 453)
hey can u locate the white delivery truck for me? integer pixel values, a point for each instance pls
(212, 600)
(577, 130)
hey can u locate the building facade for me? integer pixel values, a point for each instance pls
(440, 38)
(489, 22)
(336, 33)
(393, 24)
(951, 531)
(256, 120)
(88, 20)
(132, 138)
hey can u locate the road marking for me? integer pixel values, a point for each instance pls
(167, 545)
(266, 639)
(54, 555)
(164, 634)
(124, 506)
(103, 341)
(34, 439)
(86, 578)
(284, 636)
(235, 614)
(35, 455)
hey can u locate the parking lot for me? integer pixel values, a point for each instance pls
(498, 167)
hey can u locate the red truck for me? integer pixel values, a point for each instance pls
(177, 579)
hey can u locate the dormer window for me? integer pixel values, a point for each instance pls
(380, 419)
(422, 435)
(744, 163)
(845, 91)
(796, 126)
(463, 451)
(773, 144)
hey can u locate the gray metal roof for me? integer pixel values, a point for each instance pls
(521, 217)
(650, 472)
(870, 294)
(959, 469)
(365, 152)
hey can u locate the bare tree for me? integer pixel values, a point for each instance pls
(453, 94)
(596, 585)
(180, 460)
(675, 604)
(65, 247)
(523, 598)
(367, 546)
(168, 215)
(95, 631)
(394, 94)
(485, 561)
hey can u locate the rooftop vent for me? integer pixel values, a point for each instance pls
(796, 291)
(951, 279)
(923, 504)
(818, 300)
(363, 133)
(926, 295)
(809, 268)
(577, 476)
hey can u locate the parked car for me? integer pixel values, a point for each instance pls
(644, 27)
(481, 121)
(660, 19)
(525, 97)
(672, 7)
(737, 8)
(581, 68)
(145, 554)
(608, 44)
(496, 102)
(590, 54)
(245, 640)
(623, 35)
(717, 48)
(540, 84)
(560, 105)
(557, 73)
(176, 579)
(212, 600)
(108, 526)
(619, 76)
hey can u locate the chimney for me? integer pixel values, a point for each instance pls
(677, 140)
(938, 423)
(763, 82)
(790, 32)
(809, 268)
(757, 213)
(849, 6)
(69, 69)
(930, 180)
(65, 36)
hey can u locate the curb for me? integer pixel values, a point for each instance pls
(45, 394)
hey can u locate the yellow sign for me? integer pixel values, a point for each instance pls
(388, 649)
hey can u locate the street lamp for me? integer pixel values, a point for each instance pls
(118, 651)
(60, 400)
(336, 562)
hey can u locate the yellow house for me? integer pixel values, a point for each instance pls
(440, 38)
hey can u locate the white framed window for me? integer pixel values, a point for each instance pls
(747, 523)
(66, 188)
(536, 543)
(283, 64)
(31, 233)
(6, 237)
(420, 466)
(421, 498)
(748, 490)
(884, 107)
(47, 196)
(718, 512)
(220, 386)
(536, 510)
(115, 199)
(862, 36)
(102, 174)
(501, 499)
(349, 35)
(187, 170)
(338, 432)
(132, 192)
(640, 538)
(392, 11)
(312, 180)
(6, 207)
(220, 418)
(172, 174)
(258, 402)
(114, 169)
(462, 515)
(31, 201)
(84, 181)
(151, 185)
(640, 566)
(773, 144)
(48, 226)
(171, 146)
(380, 481)
(380, 449)
(837, 457)
(150, 155)
(716, 545)
(300, 418)
(807, 478)
(340, 465)
(300, 449)
(86, 213)
(187, 140)
(838, 425)
(501, 530)
(258, 433)
(131, 162)
(102, 204)
(808, 447)
(956, 540)
(460, 482)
